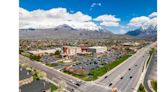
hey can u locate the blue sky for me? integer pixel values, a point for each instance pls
(125, 10)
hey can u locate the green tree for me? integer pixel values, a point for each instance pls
(57, 52)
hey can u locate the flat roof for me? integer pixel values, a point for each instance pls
(98, 47)
(44, 51)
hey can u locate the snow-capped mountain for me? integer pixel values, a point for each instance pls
(64, 32)
(147, 30)
(144, 32)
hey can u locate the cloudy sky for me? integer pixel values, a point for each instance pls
(118, 16)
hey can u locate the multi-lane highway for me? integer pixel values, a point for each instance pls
(149, 71)
(127, 75)
(124, 77)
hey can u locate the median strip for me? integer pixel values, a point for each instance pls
(150, 55)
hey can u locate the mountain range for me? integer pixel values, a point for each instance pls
(67, 32)
(144, 32)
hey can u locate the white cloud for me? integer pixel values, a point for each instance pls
(55, 17)
(104, 23)
(144, 21)
(95, 4)
(152, 22)
(152, 15)
(138, 21)
(99, 4)
(108, 20)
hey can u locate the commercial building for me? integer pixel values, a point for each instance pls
(44, 52)
(130, 44)
(97, 49)
(71, 51)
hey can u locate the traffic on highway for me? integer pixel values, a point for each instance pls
(124, 77)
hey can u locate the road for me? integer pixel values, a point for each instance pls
(102, 84)
(57, 76)
(127, 84)
(149, 71)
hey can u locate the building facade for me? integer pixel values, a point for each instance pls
(71, 51)
(97, 49)
(44, 52)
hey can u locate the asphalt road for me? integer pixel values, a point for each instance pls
(52, 74)
(152, 62)
(57, 77)
(126, 84)
(102, 84)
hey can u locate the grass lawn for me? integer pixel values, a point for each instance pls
(33, 57)
(154, 85)
(150, 54)
(53, 87)
(141, 88)
(107, 67)
(83, 77)
(95, 73)
(51, 64)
